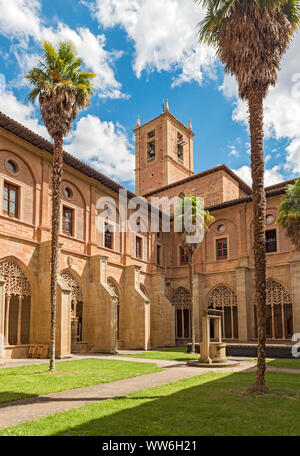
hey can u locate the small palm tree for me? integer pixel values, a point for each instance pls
(289, 213)
(194, 214)
(250, 37)
(62, 88)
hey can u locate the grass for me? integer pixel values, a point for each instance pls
(35, 380)
(173, 354)
(285, 363)
(211, 404)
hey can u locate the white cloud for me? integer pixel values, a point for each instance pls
(23, 113)
(233, 152)
(20, 19)
(104, 146)
(163, 33)
(272, 175)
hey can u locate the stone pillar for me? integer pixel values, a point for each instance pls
(19, 320)
(6, 331)
(63, 320)
(162, 313)
(243, 301)
(295, 290)
(2, 317)
(204, 347)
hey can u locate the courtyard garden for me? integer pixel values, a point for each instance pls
(35, 380)
(210, 404)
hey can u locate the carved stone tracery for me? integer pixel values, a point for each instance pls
(222, 296)
(16, 282)
(76, 293)
(182, 299)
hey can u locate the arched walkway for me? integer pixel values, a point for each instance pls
(279, 312)
(17, 304)
(182, 302)
(76, 307)
(224, 298)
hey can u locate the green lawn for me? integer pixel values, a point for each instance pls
(173, 354)
(286, 363)
(210, 404)
(30, 381)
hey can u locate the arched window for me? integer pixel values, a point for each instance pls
(115, 291)
(225, 299)
(182, 302)
(76, 305)
(17, 304)
(279, 312)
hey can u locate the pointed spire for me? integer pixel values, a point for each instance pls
(138, 123)
(190, 125)
(166, 106)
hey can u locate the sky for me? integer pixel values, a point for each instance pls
(144, 51)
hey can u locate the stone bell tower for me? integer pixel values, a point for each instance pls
(163, 152)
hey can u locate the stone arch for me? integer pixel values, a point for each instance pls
(181, 300)
(279, 311)
(116, 293)
(18, 294)
(224, 298)
(77, 303)
(144, 290)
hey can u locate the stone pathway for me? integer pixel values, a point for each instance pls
(29, 409)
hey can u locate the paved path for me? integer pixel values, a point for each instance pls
(29, 409)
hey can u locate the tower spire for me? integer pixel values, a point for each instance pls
(138, 123)
(166, 106)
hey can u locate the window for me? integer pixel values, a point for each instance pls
(271, 241)
(108, 236)
(183, 256)
(67, 222)
(151, 145)
(222, 249)
(180, 144)
(158, 254)
(10, 200)
(68, 192)
(12, 167)
(138, 247)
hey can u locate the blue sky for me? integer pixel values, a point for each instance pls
(144, 51)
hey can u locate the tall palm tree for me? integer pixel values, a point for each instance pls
(250, 38)
(289, 213)
(62, 88)
(196, 211)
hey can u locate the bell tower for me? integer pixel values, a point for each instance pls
(163, 152)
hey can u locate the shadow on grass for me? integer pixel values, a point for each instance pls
(7, 397)
(213, 406)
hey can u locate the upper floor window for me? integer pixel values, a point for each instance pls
(12, 167)
(138, 247)
(158, 255)
(183, 256)
(108, 236)
(67, 221)
(271, 241)
(151, 145)
(222, 250)
(180, 144)
(10, 200)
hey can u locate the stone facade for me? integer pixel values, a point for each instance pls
(110, 298)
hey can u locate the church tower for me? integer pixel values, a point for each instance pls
(163, 152)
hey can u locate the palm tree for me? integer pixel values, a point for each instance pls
(62, 88)
(250, 38)
(198, 213)
(289, 213)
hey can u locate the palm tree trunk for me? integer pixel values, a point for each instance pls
(259, 214)
(191, 268)
(56, 201)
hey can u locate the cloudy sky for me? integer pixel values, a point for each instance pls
(144, 51)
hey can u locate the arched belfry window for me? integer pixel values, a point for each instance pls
(76, 304)
(183, 305)
(17, 304)
(115, 291)
(224, 298)
(279, 312)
